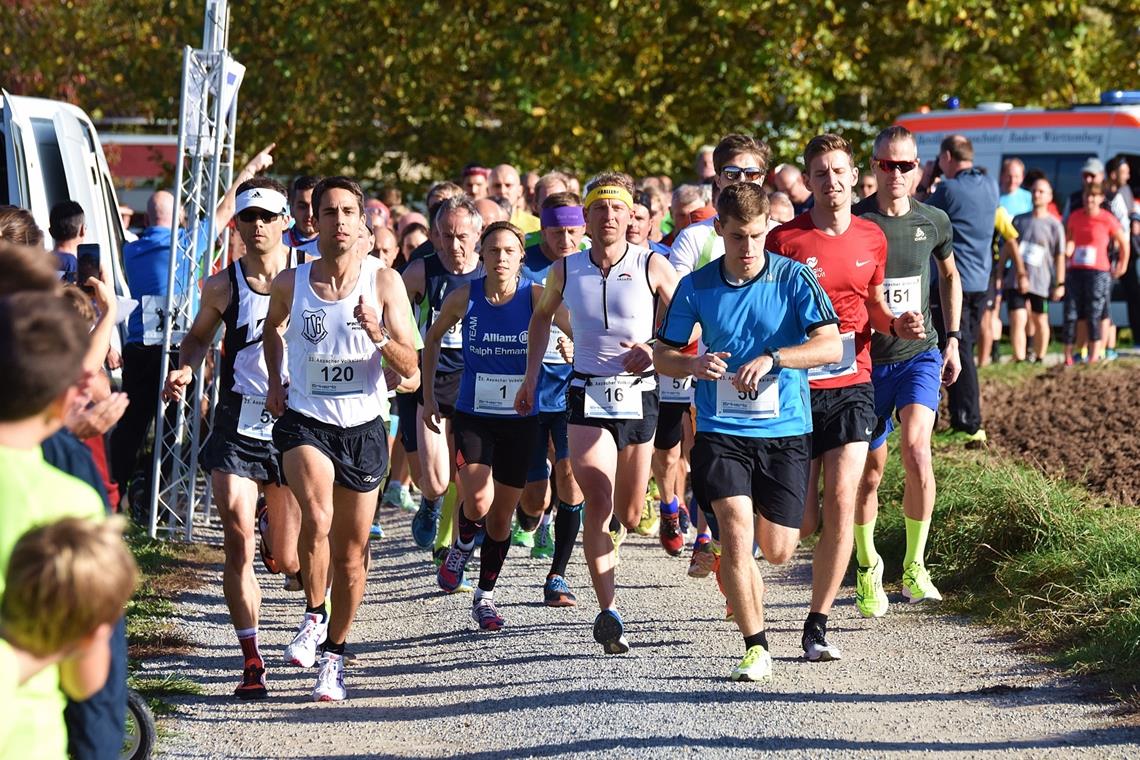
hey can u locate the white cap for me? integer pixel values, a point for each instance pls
(264, 198)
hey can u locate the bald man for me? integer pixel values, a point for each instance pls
(789, 180)
(505, 183)
(491, 211)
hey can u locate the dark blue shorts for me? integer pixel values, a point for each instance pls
(917, 380)
(552, 426)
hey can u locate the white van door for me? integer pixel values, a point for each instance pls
(20, 156)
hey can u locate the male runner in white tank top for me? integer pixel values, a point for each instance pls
(341, 314)
(239, 454)
(611, 291)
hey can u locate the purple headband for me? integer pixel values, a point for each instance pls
(563, 216)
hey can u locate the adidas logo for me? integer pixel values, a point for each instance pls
(254, 194)
(919, 234)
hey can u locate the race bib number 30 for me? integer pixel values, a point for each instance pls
(762, 403)
(495, 394)
(255, 421)
(335, 376)
(676, 390)
(613, 398)
(902, 294)
(845, 366)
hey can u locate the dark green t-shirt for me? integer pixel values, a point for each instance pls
(911, 240)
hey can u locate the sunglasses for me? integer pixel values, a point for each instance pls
(251, 215)
(904, 167)
(747, 173)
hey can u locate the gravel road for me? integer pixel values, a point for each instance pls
(428, 683)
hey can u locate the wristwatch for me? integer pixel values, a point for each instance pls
(775, 354)
(955, 334)
(385, 337)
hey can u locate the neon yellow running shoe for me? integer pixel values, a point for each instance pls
(870, 599)
(650, 520)
(917, 586)
(618, 536)
(756, 665)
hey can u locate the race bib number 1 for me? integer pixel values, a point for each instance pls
(495, 394)
(845, 366)
(762, 403)
(335, 376)
(613, 398)
(255, 421)
(902, 294)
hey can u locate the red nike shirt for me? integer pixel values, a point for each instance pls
(847, 266)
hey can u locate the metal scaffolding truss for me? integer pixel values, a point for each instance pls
(180, 492)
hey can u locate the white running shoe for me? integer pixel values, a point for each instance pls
(330, 679)
(310, 635)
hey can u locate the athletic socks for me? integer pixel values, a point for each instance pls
(755, 639)
(547, 517)
(865, 553)
(916, 533)
(332, 648)
(467, 530)
(526, 522)
(567, 523)
(816, 619)
(670, 508)
(615, 524)
(321, 609)
(491, 559)
(247, 638)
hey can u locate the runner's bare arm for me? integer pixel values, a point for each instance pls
(1122, 246)
(414, 282)
(909, 325)
(399, 352)
(215, 296)
(663, 278)
(950, 292)
(450, 312)
(823, 346)
(273, 338)
(259, 163)
(100, 343)
(538, 335)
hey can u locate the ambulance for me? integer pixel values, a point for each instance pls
(1056, 141)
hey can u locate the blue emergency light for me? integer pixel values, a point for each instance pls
(1120, 98)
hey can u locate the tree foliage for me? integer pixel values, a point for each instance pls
(384, 88)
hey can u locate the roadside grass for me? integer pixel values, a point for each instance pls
(1033, 555)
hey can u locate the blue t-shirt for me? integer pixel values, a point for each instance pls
(494, 343)
(66, 263)
(554, 378)
(1019, 202)
(970, 199)
(777, 308)
(146, 264)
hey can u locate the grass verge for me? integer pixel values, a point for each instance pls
(1033, 555)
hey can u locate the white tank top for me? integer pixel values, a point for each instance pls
(335, 372)
(604, 311)
(244, 319)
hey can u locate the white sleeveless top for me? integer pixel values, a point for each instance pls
(244, 319)
(335, 372)
(604, 311)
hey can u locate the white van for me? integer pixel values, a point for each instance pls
(50, 152)
(1056, 141)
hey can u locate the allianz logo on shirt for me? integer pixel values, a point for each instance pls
(494, 337)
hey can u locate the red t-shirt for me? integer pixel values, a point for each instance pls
(1090, 236)
(847, 266)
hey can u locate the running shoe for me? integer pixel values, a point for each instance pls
(816, 648)
(311, 634)
(521, 537)
(618, 536)
(610, 633)
(543, 542)
(917, 586)
(252, 684)
(703, 561)
(376, 531)
(756, 665)
(450, 573)
(330, 679)
(486, 615)
(294, 582)
(556, 592)
(650, 520)
(870, 598)
(407, 501)
(391, 497)
(672, 539)
(262, 518)
(439, 555)
(1110, 354)
(683, 515)
(425, 523)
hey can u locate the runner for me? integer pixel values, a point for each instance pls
(303, 234)
(563, 225)
(429, 280)
(341, 315)
(907, 374)
(493, 442)
(610, 291)
(763, 317)
(848, 256)
(239, 454)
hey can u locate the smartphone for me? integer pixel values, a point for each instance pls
(87, 257)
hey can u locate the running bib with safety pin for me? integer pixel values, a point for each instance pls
(902, 294)
(676, 390)
(255, 421)
(845, 366)
(1084, 256)
(762, 403)
(153, 311)
(495, 394)
(335, 376)
(1033, 254)
(613, 398)
(453, 338)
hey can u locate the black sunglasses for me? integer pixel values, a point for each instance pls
(904, 167)
(251, 215)
(749, 173)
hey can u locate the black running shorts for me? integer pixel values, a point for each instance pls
(773, 472)
(670, 424)
(225, 450)
(502, 443)
(624, 432)
(359, 454)
(446, 392)
(842, 415)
